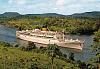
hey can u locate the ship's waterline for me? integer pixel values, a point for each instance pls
(9, 35)
(49, 37)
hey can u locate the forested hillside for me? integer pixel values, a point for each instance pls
(56, 22)
(94, 14)
(31, 57)
(10, 14)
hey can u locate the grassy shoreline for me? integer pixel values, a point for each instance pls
(15, 58)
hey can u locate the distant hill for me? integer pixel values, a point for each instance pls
(94, 14)
(9, 14)
(46, 15)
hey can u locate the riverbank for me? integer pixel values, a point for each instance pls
(16, 58)
(9, 35)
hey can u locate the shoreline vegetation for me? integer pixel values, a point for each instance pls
(71, 25)
(31, 57)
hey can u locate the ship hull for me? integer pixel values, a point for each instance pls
(47, 41)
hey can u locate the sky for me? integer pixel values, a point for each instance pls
(65, 7)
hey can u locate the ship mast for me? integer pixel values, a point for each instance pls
(63, 31)
(63, 35)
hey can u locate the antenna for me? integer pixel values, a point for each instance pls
(63, 35)
(63, 31)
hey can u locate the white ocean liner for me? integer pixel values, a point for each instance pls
(49, 37)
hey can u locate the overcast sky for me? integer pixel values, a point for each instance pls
(49, 6)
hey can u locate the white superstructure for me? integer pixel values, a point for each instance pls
(48, 37)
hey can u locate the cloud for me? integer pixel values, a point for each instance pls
(49, 6)
(76, 6)
(69, 2)
(17, 2)
(60, 2)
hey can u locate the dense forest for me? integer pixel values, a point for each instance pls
(56, 22)
(31, 57)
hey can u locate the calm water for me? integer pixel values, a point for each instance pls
(9, 35)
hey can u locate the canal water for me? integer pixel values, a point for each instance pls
(9, 35)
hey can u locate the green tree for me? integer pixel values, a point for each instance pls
(71, 56)
(97, 36)
(53, 51)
